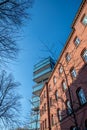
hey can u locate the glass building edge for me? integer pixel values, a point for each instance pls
(38, 87)
(34, 123)
(35, 117)
(35, 77)
(42, 66)
(36, 104)
(35, 98)
(44, 69)
(43, 61)
(42, 73)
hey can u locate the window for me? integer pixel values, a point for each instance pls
(42, 97)
(60, 70)
(52, 120)
(44, 94)
(74, 128)
(69, 109)
(73, 73)
(50, 87)
(77, 41)
(86, 123)
(84, 20)
(44, 106)
(64, 86)
(45, 123)
(68, 57)
(40, 100)
(50, 101)
(56, 95)
(59, 114)
(84, 55)
(40, 126)
(81, 96)
(54, 80)
(42, 110)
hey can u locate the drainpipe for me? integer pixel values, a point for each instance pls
(74, 116)
(48, 107)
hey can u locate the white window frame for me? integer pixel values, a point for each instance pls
(69, 107)
(84, 20)
(59, 115)
(61, 70)
(56, 95)
(73, 73)
(77, 41)
(81, 97)
(64, 86)
(53, 121)
(54, 79)
(50, 87)
(84, 55)
(68, 57)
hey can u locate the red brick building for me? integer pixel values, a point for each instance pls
(63, 100)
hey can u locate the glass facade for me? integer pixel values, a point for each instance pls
(43, 69)
(41, 73)
(37, 88)
(35, 98)
(43, 63)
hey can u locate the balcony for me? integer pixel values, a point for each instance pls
(41, 66)
(35, 106)
(42, 75)
(35, 98)
(35, 117)
(37, 88)
(43, 63)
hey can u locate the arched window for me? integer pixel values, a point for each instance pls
(52, 120)
(73, 128)
(50, 87)
(64, 86)
(54, 80)
(77, 41)
(56, 95)
(50, 101)
(59, 114)
(60, 70)
(81, 96)
(69, 109)
(44, 94)
(40, 126)
(84, 20)
(73, 72)
(68, 57)
(86, 124)
(84, 55)
(44, 106)
(42, 110)
(45, 123)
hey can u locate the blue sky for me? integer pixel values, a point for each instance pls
(51, 22)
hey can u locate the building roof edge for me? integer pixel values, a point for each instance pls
(77, 15)
(78, 12)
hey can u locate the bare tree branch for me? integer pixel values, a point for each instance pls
(12, 16)
(9, 100)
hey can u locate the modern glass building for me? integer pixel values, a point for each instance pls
(41, 73)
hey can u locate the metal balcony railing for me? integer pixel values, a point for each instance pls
(42, 73)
